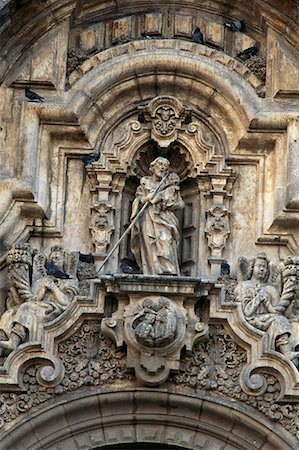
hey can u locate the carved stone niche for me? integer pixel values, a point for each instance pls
(168, 128)
(155, 318)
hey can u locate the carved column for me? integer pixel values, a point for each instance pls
(106, 191)
(217, 228)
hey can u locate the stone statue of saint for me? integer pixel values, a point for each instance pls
(51, 291)
(264, 307)
(155, 235)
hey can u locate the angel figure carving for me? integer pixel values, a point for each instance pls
(266, 302)
(40, 290)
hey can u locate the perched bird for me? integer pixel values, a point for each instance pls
(90, 158)
(188, 118)
(150, 35)
(239, 25)
(53, 270)
(248, 53)
(33, 96)
(141, 117)
(88, 258)
(197, 36)
(225, 268)
(128, 266)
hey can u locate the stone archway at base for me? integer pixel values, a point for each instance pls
(103, 420)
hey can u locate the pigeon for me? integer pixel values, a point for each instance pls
(90, 158)
(88, 258)
(53, 270)
(150, 35)
(141, 117)
(225, 268)
(239, 25)
(128, 266)
(246, 54)
(33, 96)
(197, 36)
(188, 118)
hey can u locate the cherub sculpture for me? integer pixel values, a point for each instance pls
(266, 302)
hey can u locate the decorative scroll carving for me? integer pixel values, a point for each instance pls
(266, 305)
(230, 284)
(155, 236)
(154, 331)
(217, 225)
(89, 360)
(166, 115)
(216, 365)
(85, 272)
(36, 299)
(213, 364)
(101, 226)
(217, 228)
(156, 324)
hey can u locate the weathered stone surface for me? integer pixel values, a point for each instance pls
(215, 337)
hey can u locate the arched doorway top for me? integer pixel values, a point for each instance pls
(97, 420)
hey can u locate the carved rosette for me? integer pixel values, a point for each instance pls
(101, 226)
(165, 114)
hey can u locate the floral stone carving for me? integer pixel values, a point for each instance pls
(216, 364)
(89, 359)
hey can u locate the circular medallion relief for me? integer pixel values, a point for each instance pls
(154, 322)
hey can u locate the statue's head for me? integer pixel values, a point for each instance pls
(261, 267)
(57, 256)
(159, 167)
(150, 318)
(173, 178)
(165, 113)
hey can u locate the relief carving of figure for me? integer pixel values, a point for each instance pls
(155, 323)
(155, 236)
(263, 305)
(49, 291)
(165, 120)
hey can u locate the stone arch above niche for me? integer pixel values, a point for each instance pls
(169, 128)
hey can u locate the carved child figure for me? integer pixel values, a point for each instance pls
(262, 305)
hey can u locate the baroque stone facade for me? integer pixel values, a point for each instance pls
(149, 254)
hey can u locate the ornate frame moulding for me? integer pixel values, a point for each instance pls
(165, 115)
(155, 319)
(199, 157)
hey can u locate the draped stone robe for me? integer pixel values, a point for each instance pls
(155, 236)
